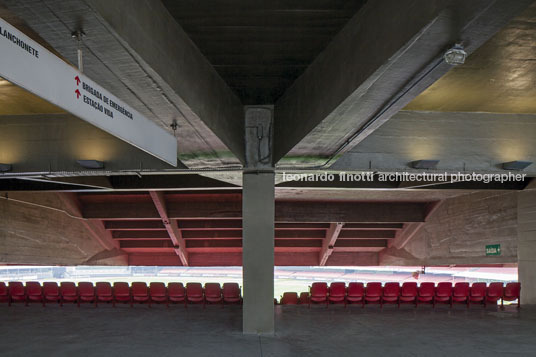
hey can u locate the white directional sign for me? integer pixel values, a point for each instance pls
(34, 68)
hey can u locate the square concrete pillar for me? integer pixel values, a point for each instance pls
(526, 245)
(258, 210)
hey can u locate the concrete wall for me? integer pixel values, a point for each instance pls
(527, 245)
(459, 230)
(30, 234)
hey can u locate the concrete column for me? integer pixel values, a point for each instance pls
(258, 209)
(526, 245)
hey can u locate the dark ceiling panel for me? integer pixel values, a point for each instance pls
(259, 47)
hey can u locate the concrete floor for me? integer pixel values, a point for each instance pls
(176, 331)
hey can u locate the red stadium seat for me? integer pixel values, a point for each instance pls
(104, 292)
(443, 293)
(176, 293)
(477, 293)
(391, 292)
(373, 293)
(304, 298)
(289, 298)
(4, 292)
(17, 292)
(194, 293)
(408, 293)
(140, 293)
(494, 292)
(158, 293)
(213, 293)
(86, 292)
(51, 292)
(426, 293)
(34, 292)
(355, 293)
(512, 291)
(231, 293)
(68, 292)
(337, 292)
(460, 293)
(319, 293)
(122, 293)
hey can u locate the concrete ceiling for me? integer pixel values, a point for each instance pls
(260, 47)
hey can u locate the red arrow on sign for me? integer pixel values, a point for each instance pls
(77, 79)
(77, 93)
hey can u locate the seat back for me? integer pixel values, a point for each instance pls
(319, 289)
(427, 289)
(304, 298)
(213, 290)
(231, 290)
(495, 290)
(461, 289)
(512, 290)
(139, 289)
(16, 288)
(373, 289)
(121, 289)
(86, 289)
(194, 290)
(3, 289)
(33, 288)
(289, 298)
(176, 290)
(356, 289)
(103, 288)
(157, 289)
(409, 288)
(444, 289)
(391, 289)
(478, 290)
(337, 289)
(50, 288)
(68, 288)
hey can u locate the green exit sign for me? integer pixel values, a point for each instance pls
(493, 249)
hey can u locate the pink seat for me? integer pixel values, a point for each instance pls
(104, 292)
(158, 292)
(140, 293)
(4, 292)
(304, 298)
(17, 292)
(494, 292)
(443, 293)
(512, 292)
(194, 293)
(477, 293)
(460, 293)
(34, 292)
(289, 298)
(122, 293)
(213, 293)
(426, 293)
(355, 293)
(408, 293)
(391, 292)
(176, 293)
(68, 292)
(86, 292)
(231, 293)
(51, 292)
(373, 293)
(337, 292)
(319, 293)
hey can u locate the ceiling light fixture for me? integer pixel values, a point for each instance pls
(456, 55)
(516, 165)
(91, 164)
(424, 164)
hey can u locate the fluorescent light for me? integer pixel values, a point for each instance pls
(516, 165)
(5, 167)
(424, 164)
(91, 164)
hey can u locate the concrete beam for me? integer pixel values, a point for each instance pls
(375, 66)
(170, 225)
(327, 245)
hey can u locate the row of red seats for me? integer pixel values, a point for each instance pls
(138, 292)
(409, 292)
